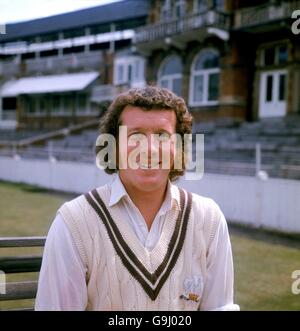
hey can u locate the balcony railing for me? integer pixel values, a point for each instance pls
(264, 14)
(107, 92)
(9, 68)
(182, 25)
(9, 115)
(8, 119)
(91, 60)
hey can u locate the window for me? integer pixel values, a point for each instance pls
(37, 105)
(31, 104)
(81, 103)
(270, 56)
(179, 8)
(204, 80)
(49, 37)
(42, 105)
(74, 33)
(170, 74)
(60, 104)
(200, 6)
(269, 88)
(275, 55)
(166, 12)
(282, 88)
(219, 4)
(56, 104)
(120, 73)
(282, 54)
(68, 103)
(129, 70)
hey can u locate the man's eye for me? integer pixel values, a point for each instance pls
(137, 137)
(137, 134)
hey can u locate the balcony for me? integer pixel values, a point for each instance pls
(255, 18)
(8, 119)
(91, 60)
(102, 93)
(180, 30)
(9, 68)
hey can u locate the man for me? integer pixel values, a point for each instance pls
(140, 242)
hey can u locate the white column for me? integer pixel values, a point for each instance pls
(0, 108)
(87, 46)
(112, 42)
(60, 37)
(38, 41)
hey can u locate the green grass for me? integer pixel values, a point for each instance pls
(26, 211)
(263, 272)
(263, 262)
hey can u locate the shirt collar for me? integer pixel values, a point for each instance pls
(118, 192)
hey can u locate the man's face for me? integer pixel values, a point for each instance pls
(145, 124)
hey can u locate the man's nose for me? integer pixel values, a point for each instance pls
(153, 145)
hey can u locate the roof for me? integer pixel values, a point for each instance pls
(109, 13)
(48, 84)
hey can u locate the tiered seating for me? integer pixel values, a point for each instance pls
(13, 135)
(232, 150)
(229, 148)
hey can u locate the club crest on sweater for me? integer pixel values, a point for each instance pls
(192, 288)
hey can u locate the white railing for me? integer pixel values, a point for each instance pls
(265, 13)
(24, 47)
(185, 24)
(9, 115)
(107, 92)
(267, 203)
(253, 163)
(90, 60)
(9, 68)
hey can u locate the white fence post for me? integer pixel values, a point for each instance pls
(257, 158)
(2, 282)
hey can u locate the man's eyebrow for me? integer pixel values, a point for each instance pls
(158, 130)
(135, 129)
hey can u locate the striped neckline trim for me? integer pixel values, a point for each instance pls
(150, 282)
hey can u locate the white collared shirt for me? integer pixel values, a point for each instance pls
(62, 290)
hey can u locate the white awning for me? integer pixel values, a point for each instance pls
(48, 84)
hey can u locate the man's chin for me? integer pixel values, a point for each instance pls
(151, 177)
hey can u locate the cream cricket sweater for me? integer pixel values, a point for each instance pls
(122, 274)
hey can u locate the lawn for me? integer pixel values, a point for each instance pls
(263, 262)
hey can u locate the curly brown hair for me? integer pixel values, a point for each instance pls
(148, 98)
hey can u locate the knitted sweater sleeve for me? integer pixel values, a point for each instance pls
(62, 283)
(218, 288)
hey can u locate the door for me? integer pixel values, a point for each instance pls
(272, 100)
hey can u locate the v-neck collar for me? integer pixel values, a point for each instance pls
(149, 268)
(118, 192)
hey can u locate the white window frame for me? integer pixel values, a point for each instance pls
(38, 112)
(276, 59)
(61, 111)
(182, 7)
(166, 10)
(137, 64)
(169, 78)
(205, 73)
(196, 8)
